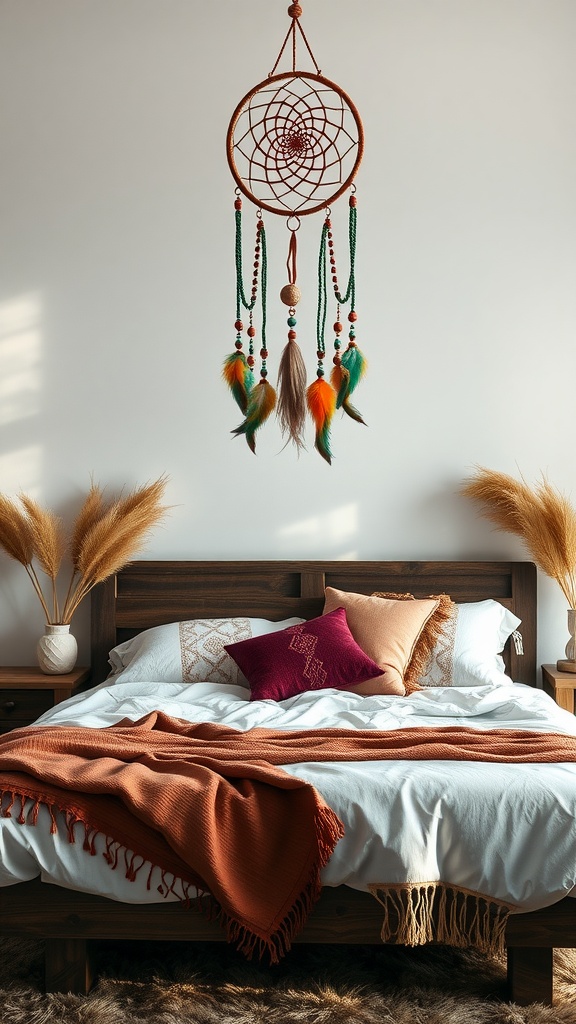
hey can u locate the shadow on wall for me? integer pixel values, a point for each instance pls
(20, 387)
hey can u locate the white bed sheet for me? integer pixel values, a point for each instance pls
(506, 830)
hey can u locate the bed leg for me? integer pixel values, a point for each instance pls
(530, 974)
(68, 965)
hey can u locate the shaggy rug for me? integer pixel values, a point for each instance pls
(166, 983)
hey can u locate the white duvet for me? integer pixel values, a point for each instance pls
(506, 830)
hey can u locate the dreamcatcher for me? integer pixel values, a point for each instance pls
(294, 145)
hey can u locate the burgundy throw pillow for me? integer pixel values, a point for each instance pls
(317, 654)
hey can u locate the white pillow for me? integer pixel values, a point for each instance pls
(188, 652)
(469, 651)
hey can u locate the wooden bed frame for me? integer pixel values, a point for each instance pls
(149, 593)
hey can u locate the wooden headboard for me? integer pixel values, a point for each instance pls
(150, 593)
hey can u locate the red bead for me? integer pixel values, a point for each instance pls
(336, 360)
(239, 325)
(260, 225)
(320, 354)
(238, 343)
(352, 344)
(237, 204)
(338, 327)
(328, 222)
(263, 353)
(251, 332)
(352, 201)
(291, 335)
(352, 316)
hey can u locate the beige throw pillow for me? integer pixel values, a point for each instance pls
(387, 630)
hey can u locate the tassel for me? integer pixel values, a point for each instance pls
(345, 377)
(292, 394)
(239, 378)
(321, 399)
(261, 402)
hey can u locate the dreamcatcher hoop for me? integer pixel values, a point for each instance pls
(285, 143)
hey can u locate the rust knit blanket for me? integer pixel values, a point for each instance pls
(210, 805)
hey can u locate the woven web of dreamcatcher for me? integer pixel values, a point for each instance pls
(294, 143)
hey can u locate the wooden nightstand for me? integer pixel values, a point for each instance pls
(25, 693)
(560, 686)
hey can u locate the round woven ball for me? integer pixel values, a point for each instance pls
(290, 295)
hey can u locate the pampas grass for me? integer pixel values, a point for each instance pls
(543, 517)
(105, 536)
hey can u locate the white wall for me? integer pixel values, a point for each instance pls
(117, 274)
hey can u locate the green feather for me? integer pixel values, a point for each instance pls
(239, 378)
(261, 402)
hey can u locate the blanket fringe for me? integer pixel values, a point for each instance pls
(416, 913)
(329, 830)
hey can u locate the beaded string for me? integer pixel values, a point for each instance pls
(259, 270)
(322, 301)
(350, 293)
(327, 246)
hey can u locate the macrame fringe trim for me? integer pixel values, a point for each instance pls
(416, 913)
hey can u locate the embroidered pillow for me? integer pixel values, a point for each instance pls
(314, 655)
(468, 651)
(387, 629)
(192, 651)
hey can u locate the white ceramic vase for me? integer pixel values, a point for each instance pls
(57, 650)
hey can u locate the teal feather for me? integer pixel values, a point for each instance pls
(352, 369)
(322, 444)
(355, 363)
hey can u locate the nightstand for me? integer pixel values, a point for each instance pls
(25, 693)
(560, 686)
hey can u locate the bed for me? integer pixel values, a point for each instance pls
(148, 594)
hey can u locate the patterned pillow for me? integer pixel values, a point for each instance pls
(192, 651)
(315, 655)
(468, 650)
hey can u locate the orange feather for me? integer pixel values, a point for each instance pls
(321, 401)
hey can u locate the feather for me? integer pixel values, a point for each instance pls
(261, 402)
(292, 393)
(346, 377)
(239, 378)
(321, 400)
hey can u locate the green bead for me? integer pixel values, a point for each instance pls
(292, 321)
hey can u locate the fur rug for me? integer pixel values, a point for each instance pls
(166, 983)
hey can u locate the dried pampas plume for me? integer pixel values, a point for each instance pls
(541, 516)
(105, 536)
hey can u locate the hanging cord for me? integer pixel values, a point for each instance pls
(295, 11)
